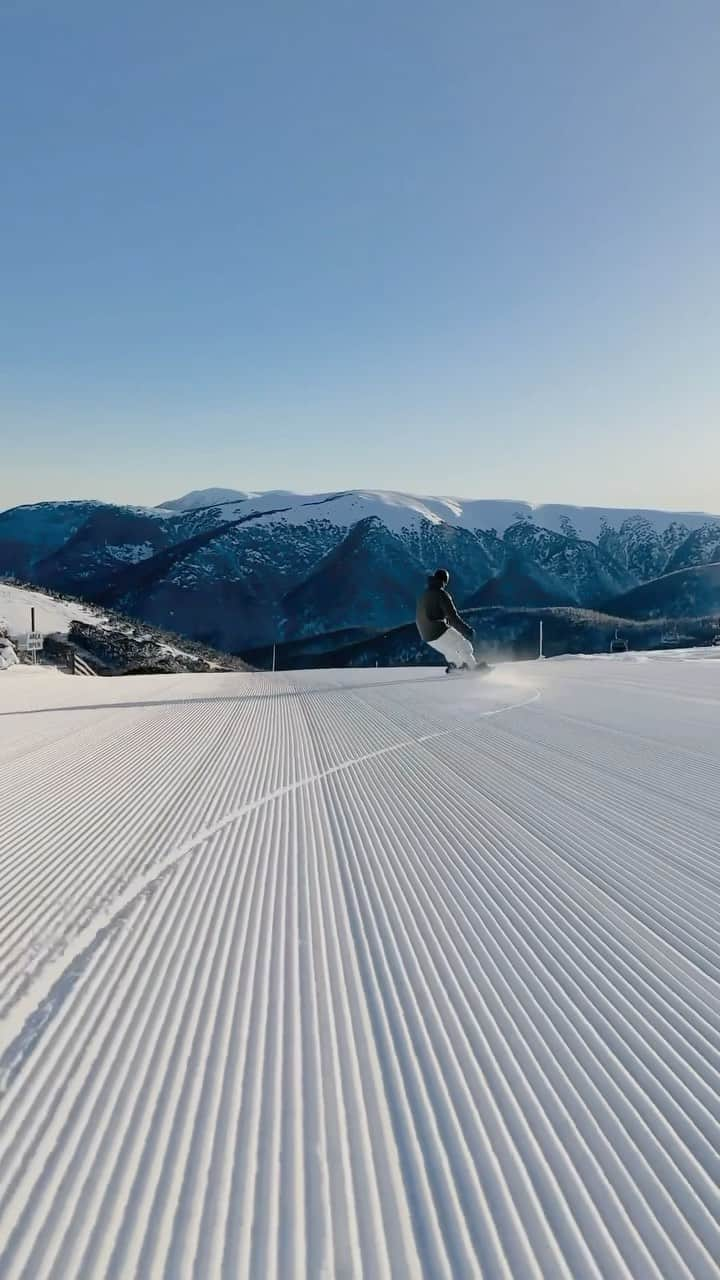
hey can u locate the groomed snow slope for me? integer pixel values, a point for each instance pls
(376, 974)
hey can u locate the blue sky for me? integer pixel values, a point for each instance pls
(458, 247)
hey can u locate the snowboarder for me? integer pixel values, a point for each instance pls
(441, 626)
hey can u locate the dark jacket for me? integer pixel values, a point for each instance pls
(436, 612)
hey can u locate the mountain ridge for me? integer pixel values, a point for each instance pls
(277, 566)
(682, 593)
(479, 512)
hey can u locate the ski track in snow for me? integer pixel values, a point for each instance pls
(361, 973)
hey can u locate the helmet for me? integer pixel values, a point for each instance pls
(442, 577)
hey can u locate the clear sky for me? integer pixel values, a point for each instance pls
(466, 247)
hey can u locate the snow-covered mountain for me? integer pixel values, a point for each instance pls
(241, 571)
(205, 498)
(398, 510)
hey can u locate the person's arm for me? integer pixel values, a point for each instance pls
(452, 617)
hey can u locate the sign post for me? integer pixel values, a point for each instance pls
(33, 643)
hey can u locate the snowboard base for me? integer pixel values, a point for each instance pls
(481, 669)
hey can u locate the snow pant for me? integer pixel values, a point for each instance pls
(455, 649)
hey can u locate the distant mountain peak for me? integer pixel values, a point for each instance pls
(206, 498)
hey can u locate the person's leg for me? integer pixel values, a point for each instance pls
(455, 649)
(464, 653)
(440, 646)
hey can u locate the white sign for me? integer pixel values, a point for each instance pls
(33, 642)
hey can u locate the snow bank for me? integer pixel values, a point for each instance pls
(8, 656)
(50, 615)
